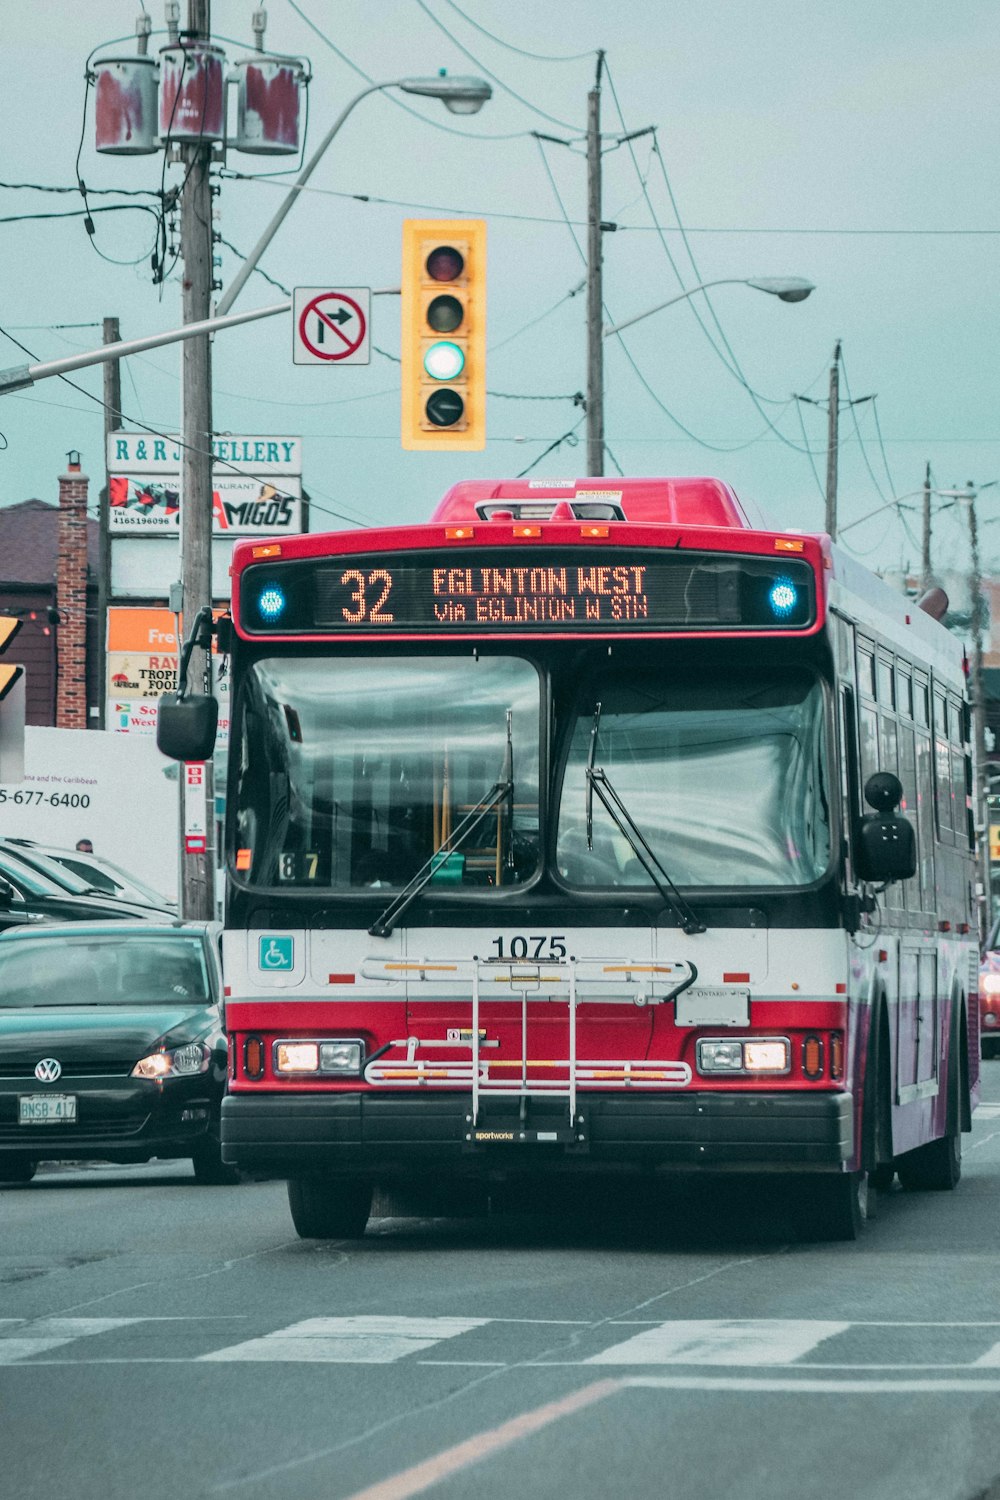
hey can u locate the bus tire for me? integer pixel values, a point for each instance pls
(18, 1169)
(324, 1209)
(934, 1168)
(838, 1207)
(878, 1157)
(209, 1168)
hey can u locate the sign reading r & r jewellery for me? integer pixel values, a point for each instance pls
(144, 453)
(256, 484)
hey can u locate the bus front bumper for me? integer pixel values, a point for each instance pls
(382, 1136)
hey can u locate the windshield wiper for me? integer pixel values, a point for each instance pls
(597, 781)
(500, 792)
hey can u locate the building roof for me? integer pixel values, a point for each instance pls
(29, 544)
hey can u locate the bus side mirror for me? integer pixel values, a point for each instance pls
(186, 727)
(887, 848)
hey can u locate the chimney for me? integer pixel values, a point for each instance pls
(71, 598)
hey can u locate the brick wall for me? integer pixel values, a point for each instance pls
(71, 601)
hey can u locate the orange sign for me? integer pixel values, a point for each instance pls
(141, 630)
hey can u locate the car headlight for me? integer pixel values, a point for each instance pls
(990, 984)
(176, 1062)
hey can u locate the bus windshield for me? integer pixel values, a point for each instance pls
(352, 772)
(726, 779)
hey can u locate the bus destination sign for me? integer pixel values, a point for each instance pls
(674, 590)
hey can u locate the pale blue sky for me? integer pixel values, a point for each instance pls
(773, 116)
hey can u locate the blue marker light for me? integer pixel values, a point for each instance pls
(783, 597)
(271, 603)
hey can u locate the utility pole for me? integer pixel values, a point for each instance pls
(595, 292)
(926, 581)
(832, 441)
(978, 685)
(198, 879)
(112, 420)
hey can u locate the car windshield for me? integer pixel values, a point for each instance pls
(104, 875)
(352, 772)
(90, 970)
(26, 881)
(726, 778)
(65, 879)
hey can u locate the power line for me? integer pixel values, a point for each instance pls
(553, 119)
(570, 438)
(168, 437)
(450, 210)
(521, 51)
(474, 135)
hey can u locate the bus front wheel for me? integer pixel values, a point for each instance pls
(936, 1167)
(324, 1209)
(837, 1208)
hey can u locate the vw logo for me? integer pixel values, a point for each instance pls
(48, 1070)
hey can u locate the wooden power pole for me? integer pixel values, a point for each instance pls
(595, 292)
(198, 869)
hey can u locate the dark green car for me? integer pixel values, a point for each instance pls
(112, 1046)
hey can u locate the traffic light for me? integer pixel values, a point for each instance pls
(9, 626)
(443, 344)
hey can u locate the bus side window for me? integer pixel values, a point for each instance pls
(961, 778)
(866, 673)
(889, 761)
(868, 743)
(905, 693)
(908, 777)
(925, 819)
(942, 769)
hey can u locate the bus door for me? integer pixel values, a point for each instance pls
(917, 1056)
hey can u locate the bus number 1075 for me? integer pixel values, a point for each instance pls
(533, 947)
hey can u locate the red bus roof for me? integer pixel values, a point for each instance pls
(692, 502)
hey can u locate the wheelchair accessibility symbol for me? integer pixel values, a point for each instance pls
(276, 953)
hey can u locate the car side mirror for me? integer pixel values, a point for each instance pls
(186, 726)
(887, 849)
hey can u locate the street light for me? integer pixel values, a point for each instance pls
(462, 96)
(786, 288)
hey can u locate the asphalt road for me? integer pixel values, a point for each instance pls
(159, 1339)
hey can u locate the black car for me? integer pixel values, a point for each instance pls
(112, 1045)
(30, 893)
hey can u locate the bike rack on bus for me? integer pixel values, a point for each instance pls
(569, 979)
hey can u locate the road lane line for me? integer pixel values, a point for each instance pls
(374, 1340)
(473, 1450)
(718, 1341)
(40, 1335)
(748, 1384)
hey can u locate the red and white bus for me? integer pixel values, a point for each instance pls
(593, 827)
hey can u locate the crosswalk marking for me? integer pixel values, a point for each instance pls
(799, 1347)
(43, 1334)
(370, 1340)
(714, 1341)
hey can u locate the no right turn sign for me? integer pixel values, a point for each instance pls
(331, 326)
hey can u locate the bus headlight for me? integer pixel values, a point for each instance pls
(766, 1057)
(770, 1054)
(327, 1058)
(720, 1057)
(296, 1057)
(340, 1057)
